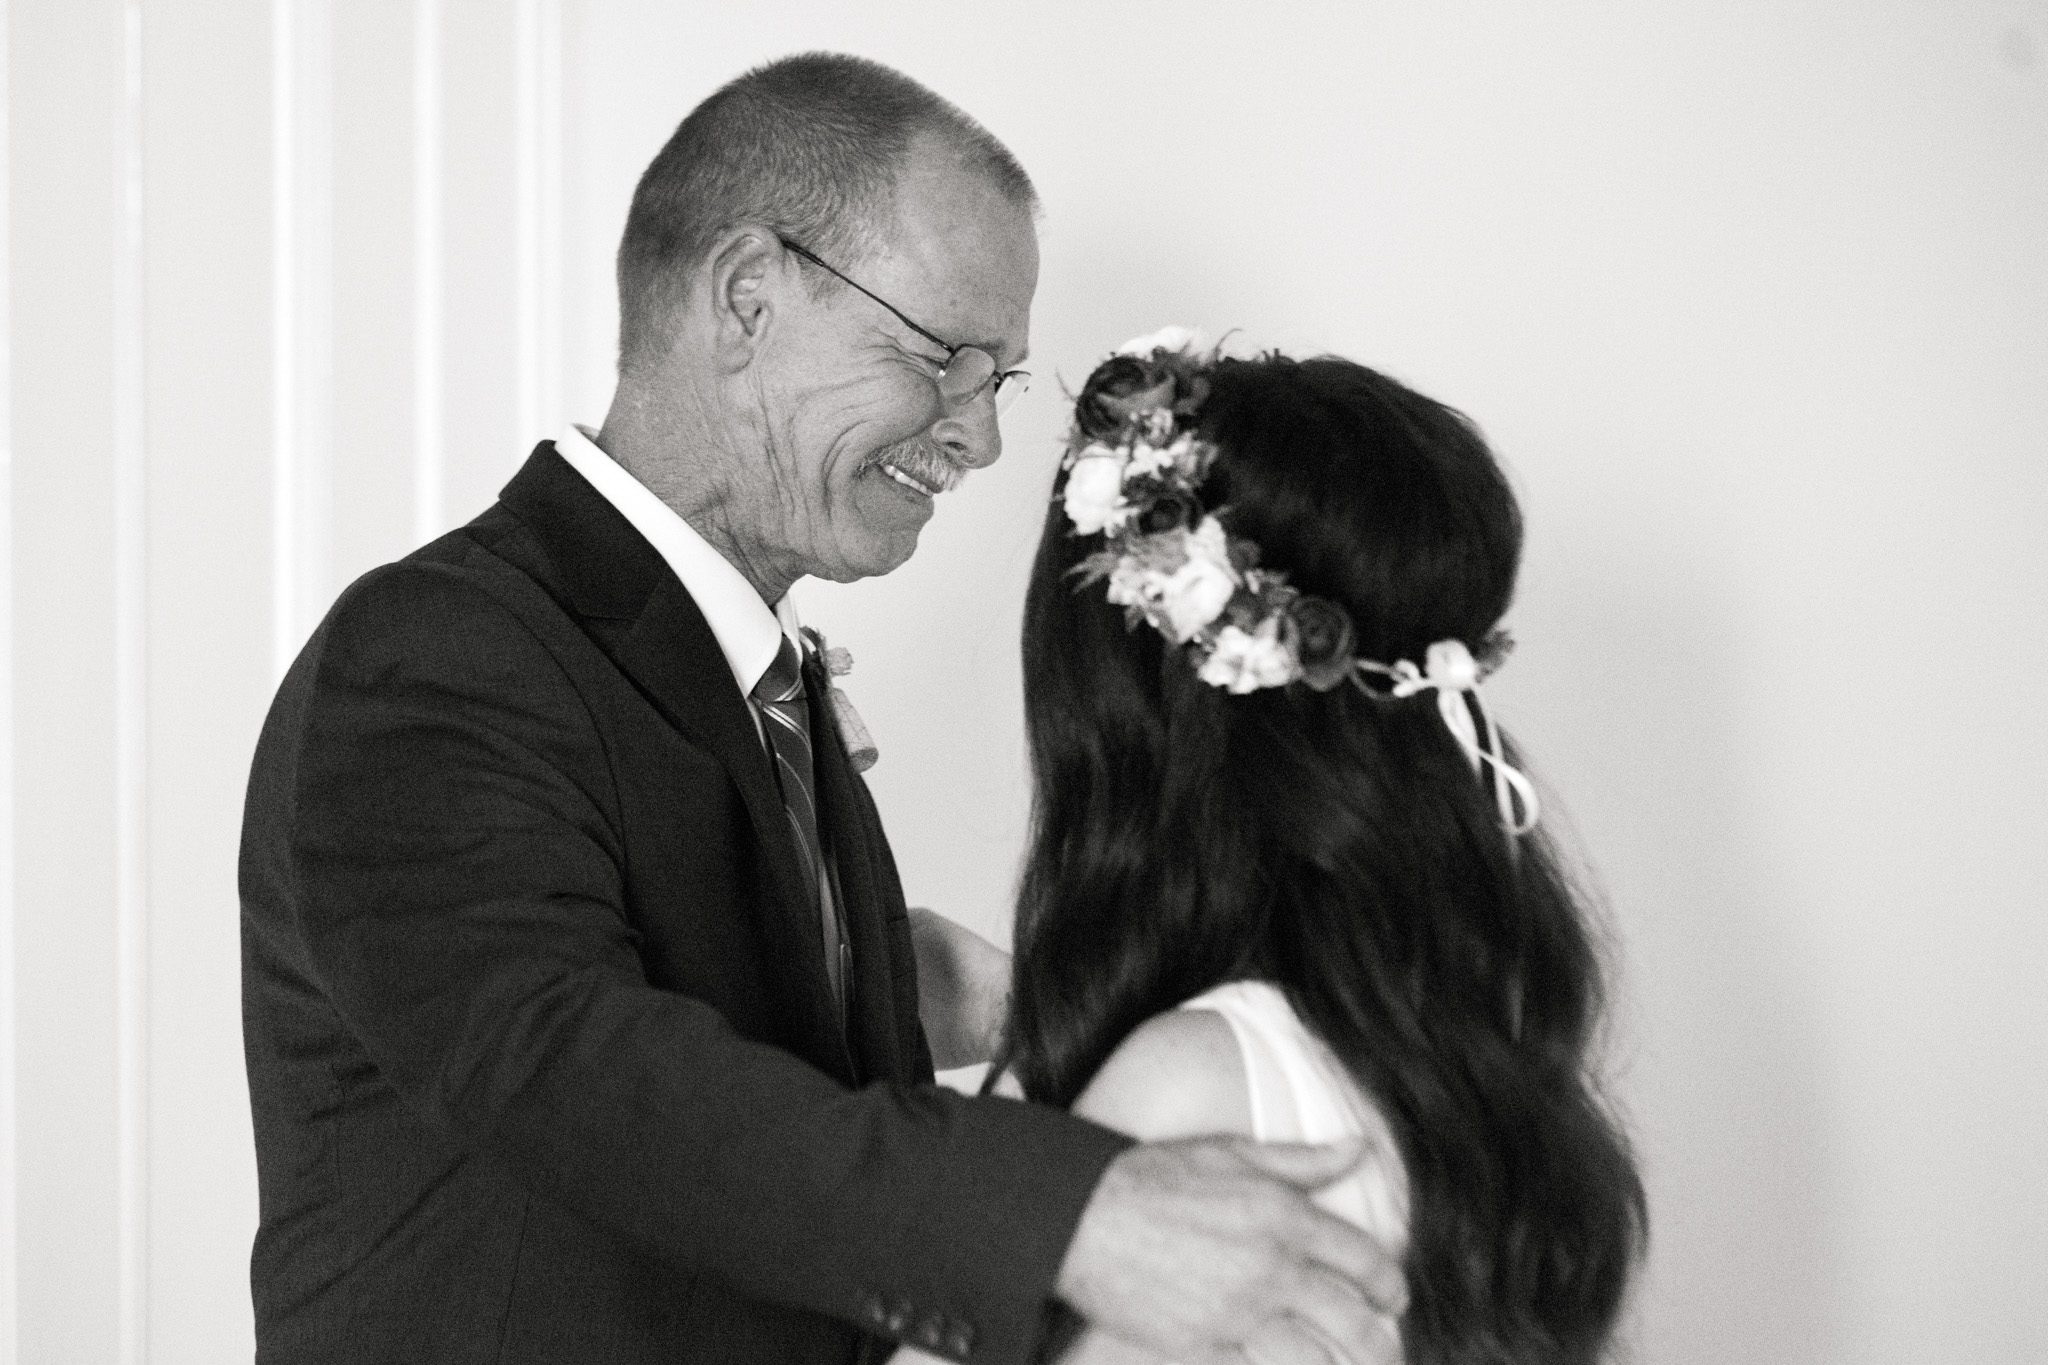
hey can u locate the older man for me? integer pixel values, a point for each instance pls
(581, 1000)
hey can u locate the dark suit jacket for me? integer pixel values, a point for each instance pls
(542, 1054)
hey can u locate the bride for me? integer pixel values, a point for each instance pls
(1284, 877)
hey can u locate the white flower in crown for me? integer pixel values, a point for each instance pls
(1197, 592)
(1153, 459)
(1094, 496)
(1245, 661)
(1181, 580)
(1130, 583)
(1142, 571)
(1158, 426)
(1181, 339)
(1210, 541)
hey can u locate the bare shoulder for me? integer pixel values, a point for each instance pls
(1178, 1075)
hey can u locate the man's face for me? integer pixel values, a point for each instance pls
(858, 438)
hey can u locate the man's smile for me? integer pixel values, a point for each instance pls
(918, 468)
(908, 481)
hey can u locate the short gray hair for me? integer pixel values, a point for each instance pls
(809, 145)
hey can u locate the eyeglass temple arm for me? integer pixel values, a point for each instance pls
(948, 347)
(997, 377)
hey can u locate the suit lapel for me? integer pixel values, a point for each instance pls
(875, 1028)
(650, 627)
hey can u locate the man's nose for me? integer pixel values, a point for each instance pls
(968, 432)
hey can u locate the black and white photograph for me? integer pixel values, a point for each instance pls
(1062, 684)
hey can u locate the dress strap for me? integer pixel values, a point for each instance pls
(1248, 1007)
(1301, 1092)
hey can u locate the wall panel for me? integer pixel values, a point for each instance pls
(10, 1231)
(65, 92)
(207, 80)
(373, 307)
(480, 273)
(429, 316)
(228, 271)
(537, 80)
(301, 117)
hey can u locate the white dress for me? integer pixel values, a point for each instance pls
(1300, 1092)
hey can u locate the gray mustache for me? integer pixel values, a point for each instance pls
(923, 461)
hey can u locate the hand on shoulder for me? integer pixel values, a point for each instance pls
(1200, 1240)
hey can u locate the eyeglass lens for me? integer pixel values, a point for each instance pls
(1010, 388)
(970, 371)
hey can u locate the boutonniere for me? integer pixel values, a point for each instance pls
(860, 745)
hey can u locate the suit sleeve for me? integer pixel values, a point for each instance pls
(460, 896)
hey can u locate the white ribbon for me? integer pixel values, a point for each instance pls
(1454, 674)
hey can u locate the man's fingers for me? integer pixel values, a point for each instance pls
(1291, 1339)
(1345, 1247)
(1186, 1247)
(1330, 1240)
(1284, 1340)
(1360, 1260)
(1306, 1166)
(1349, 1327)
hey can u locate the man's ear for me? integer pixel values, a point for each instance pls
(748, 274)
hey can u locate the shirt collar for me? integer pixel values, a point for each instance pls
(749, 634)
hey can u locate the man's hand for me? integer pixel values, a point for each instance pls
(963, 989)
(1209, 1249)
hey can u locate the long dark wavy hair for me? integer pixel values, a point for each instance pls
(1337, 844)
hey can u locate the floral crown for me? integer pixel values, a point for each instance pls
(1135, 467)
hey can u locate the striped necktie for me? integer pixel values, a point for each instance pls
(786, 721)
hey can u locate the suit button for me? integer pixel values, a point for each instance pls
(931, 1332)
(959, 1339)
(872, 1311)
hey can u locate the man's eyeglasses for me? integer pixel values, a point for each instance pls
(967, 369)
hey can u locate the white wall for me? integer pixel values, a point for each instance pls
(1752, 297)
(277, 282)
